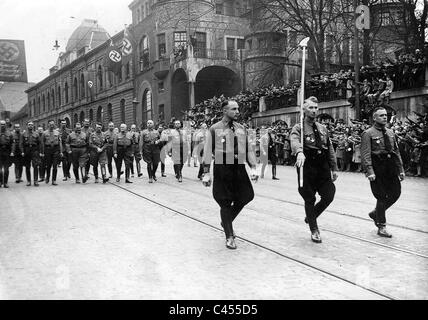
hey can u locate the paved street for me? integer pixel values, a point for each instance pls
(118, 241)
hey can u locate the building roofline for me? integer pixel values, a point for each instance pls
(77, 61)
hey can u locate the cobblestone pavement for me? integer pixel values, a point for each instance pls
(113, 241)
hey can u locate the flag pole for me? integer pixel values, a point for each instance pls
(303, 44)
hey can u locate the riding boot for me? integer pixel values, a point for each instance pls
(139, 169)
(103, 173)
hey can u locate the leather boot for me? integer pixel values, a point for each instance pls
(230, 243)
(127, 176)
(139, 170)
(383, 233)
(316, 237)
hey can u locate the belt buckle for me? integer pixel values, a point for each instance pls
(388, 155)
(319, 152)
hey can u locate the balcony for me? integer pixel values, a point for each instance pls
(161, 68)
(212, 54)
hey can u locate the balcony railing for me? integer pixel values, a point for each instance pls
(213, 54)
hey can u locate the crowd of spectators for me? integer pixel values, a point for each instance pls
(412, 138)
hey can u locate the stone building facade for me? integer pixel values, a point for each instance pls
(80, 87)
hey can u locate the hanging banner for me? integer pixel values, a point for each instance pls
(13, 67)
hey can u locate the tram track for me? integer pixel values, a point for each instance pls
(411, 252)
(258, 245)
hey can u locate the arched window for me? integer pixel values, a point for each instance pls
(82, 86)
(147, 106)
(100, 114)
(44, 102)
(144, 53)
(53, 98)
(122, 110)
(109, 112)
(66, 92)
(76, 89)
(59, 95)
(100, 78)
(82, 116)
(91, 115)
(76, 119)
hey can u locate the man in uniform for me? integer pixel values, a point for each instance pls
(199, 140)
(97, 145)
(136, 151)
(109, 136)
(7, 147)
(178, 148)
(17, 159)
(383, 166)
(52, 151)
(319, 165)
(149, 148)
(164, 134)
(86, 129)
(42, 167)
(232, 189)
(77, 143)
(31, 147)
(66, 158)
(122, 150)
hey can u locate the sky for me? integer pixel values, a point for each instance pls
(40, 22)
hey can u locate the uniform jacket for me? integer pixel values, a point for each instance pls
(97, 140)
(310, 143)
(6, 141)
(148, 138)
(76, 140)
(51, 139)
(373, 143)
(220, 143)
(109, 135)
(30, 141)
(122, 139)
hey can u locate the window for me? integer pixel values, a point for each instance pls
(386, 18)
(161, 112)
(180, 39)
(100, 78)
(82, 116)
(49, 101)
(147, 106)
(293, 39)
(161, 87)
(240, 44)
(91, 115)
(76, 119)
(161, 45)
(66, 92)
(59, 95)
(127, 70)
(219, 8)
(100, 114)
(250, 44)
(346, 51)
(82, 86)
(44, 102)
(53, 98)
(144, 53)
(109, 112)
(201, 45)
(75, 88)
(329, 47)
(230, 47)
(262, 43)
(122, 110)
(276, 42)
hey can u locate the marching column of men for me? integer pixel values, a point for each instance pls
(227, 142)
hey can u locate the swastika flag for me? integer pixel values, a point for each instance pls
(114, 59)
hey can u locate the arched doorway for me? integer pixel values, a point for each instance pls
(180, 94)
(216, 81)
(147, 113)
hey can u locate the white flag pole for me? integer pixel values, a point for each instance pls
(303, 44)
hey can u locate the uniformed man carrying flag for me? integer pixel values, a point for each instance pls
(318, 159)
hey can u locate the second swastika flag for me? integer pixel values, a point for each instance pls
(114, 59)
